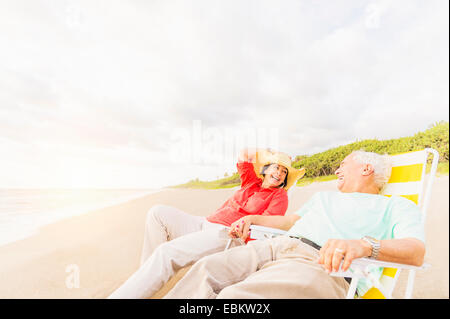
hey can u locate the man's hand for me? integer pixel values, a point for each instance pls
(334, 250)
(241, 228)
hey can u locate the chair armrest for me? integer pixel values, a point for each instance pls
(387, 264)
(259, 232)
(362, 264)
(262, 232)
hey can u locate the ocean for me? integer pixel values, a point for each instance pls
(23, 211)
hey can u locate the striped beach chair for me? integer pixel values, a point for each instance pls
(408, 179)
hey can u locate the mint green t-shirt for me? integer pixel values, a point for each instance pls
(336, 215)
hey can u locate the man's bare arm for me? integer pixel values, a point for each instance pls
(409, 251)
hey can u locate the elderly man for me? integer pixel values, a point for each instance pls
(330, 228)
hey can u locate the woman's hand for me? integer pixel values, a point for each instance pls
(241, 228)
(247, 155)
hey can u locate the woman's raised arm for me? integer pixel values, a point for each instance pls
(247, 155)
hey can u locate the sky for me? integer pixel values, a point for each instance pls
(146, 94)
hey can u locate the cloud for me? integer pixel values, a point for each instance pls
(105, 84)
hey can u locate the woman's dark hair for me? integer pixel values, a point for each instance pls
(263, 173)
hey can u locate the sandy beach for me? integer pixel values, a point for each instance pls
(101, 249)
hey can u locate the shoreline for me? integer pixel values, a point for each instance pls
(46, 218)
(102, 248)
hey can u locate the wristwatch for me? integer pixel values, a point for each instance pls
(375, 244)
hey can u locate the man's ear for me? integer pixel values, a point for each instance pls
(367, 169)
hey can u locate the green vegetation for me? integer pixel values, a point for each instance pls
(442, 169)
(321, 166)
(308, 180)
(227, 182)
(325, 163)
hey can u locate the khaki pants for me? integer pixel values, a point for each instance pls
(282, 267)
(173, 239)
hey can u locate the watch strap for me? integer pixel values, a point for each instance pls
(375, 244)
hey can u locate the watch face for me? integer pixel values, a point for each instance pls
(371, 238)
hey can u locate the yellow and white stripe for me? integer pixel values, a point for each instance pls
(408, 170)
(387, 280)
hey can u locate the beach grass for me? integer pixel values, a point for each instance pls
(442, 169)
(226, 182)
(308, 180)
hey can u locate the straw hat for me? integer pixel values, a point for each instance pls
(267, 156)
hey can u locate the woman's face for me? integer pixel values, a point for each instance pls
(275, 175)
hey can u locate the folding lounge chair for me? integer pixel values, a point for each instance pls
(407, 180)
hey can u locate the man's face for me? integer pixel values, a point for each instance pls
(349, 174)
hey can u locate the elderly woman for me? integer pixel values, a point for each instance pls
(175, 239)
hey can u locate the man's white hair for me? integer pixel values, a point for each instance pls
(382, 165)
